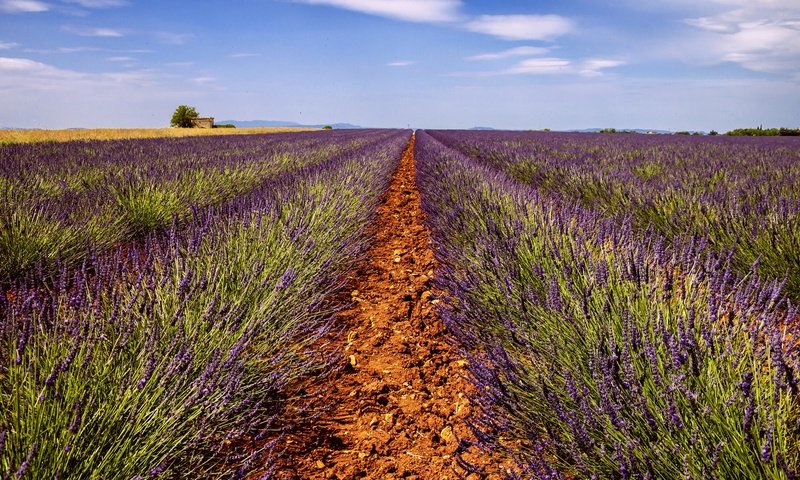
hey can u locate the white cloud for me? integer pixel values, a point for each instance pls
(171, 38)
(761, 4)
(511, 52)
(507, 27)
(180, 64)
(120, 59)
(540, 66)
(592, 67)
(93, 31)
(23, 6)
(203, 80)
(70, 50)
(100, 3)
(759, 35)
(10, 64)
(712, 25)
(49, 51)
(141, 77)
(244, 55)
(27, 74)
(400, 63)
(521, 27)
(8, 45)
(35, 94)
(408, 10)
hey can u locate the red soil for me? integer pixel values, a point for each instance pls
(400, 404)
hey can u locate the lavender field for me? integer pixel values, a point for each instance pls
(400, 240)
(60, 198)
(628, 303)
(740, 194)
(168, 350)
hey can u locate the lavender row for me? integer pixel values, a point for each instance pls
(176, 358)
(741, 194)
(602, 350)
(57, 198)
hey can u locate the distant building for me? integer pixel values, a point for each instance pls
(203, 122)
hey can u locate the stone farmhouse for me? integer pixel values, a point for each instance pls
(203, 122)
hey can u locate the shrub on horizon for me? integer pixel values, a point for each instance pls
(183, 116)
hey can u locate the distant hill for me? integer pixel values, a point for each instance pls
(280, 123)
(482, 128)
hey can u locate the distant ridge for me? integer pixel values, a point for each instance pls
(280, 123)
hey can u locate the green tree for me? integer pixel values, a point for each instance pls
(183, 116)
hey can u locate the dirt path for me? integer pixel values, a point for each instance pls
(401, 403)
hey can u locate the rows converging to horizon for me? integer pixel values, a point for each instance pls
(623, 304)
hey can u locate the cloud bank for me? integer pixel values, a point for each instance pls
(522, 27)
(507, 27)
(23, 6)
(759, 35)
(426, 11)
(511, 52)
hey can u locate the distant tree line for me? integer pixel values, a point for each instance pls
(752, 132)
(765, 132)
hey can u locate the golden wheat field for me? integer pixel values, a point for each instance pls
(28, 136)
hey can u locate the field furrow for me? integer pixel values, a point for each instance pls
(401, 399)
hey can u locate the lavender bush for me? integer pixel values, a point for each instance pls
(602, 350)
(58, 198)
(740, 193)
(172, 357)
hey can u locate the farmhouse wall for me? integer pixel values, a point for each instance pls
(203, 122)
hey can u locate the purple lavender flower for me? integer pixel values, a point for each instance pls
(148, 371)
(78, 416)
(158, 469)
(26, 465)
(766, 447)
(287, 278)
(554, 296)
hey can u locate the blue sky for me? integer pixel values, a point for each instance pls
(666, 64)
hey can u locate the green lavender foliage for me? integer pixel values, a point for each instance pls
(58, 198)
(742, 194)
(601, 351)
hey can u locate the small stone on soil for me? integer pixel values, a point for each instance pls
(447, 433)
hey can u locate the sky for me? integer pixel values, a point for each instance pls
(510, 64)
